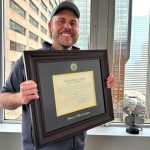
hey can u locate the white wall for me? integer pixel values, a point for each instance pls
(13, 141)
(117, 143)
(10, 141)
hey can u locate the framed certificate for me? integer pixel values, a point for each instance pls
(73, 92)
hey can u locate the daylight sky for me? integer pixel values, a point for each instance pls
(141, 7)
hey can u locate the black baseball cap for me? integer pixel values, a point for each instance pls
(66, 5)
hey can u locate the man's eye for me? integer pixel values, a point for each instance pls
(74, 24)
(61, 21)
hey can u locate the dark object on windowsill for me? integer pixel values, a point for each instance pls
(134, 122)
(133, 129)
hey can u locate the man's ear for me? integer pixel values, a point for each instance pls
(50, 26)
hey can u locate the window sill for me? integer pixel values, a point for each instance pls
(10, 128)
(98, 131)
(117, 131)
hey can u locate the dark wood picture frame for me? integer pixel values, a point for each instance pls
(41, 66)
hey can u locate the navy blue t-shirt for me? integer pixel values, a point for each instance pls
(17, 76)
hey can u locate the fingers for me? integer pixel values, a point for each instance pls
(28, 91)
(110, 81)
(28, 85)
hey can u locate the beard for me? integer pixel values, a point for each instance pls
(65, 39)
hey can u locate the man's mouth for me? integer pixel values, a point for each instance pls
(67, 34)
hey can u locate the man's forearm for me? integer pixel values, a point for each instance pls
(10, 101)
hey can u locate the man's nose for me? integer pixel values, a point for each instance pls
(67, 25)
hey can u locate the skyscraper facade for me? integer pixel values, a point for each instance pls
(121, 53)
(85, 10)
(130, 65)
(136, 76)
(26, 27)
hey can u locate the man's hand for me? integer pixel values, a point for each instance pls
(110, 81)
(28, 92)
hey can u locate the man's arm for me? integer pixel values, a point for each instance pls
(28, 92)
(9, 100)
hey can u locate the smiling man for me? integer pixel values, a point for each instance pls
(64, 30)
(64, 26)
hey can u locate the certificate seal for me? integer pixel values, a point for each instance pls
(74, 67)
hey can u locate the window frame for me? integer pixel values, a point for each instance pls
(106, 24)
(94, 43)
(1, 52)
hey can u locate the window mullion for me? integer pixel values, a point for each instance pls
(1, 115)
(1, 51)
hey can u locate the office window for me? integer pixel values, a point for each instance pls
(17, 8)
(43, 5)
(33, 7)
(43, 18)
(17, 28)
(33, 21)
(33, 36)
(43, 30)
(131, 58)
(15, 46)
(50, 4)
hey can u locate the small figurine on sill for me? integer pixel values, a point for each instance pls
(133, 120)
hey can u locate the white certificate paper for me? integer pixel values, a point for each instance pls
(74, 92)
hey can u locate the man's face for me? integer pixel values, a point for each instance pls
(64, 28)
